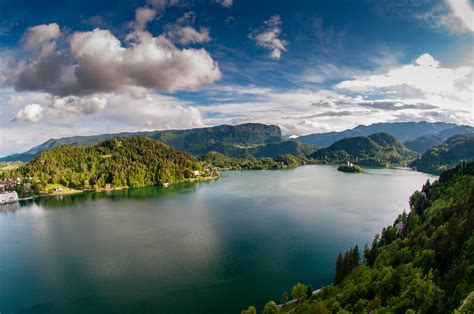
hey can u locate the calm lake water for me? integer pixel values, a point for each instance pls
(213, 247)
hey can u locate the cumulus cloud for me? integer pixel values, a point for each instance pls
(31, 113)
(39, 35)
(184, 33)
(79, 105)
(97, 61)
(268, 37)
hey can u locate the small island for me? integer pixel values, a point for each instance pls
(350, 167)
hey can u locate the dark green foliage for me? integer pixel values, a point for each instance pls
(250, 163)
(346, 263)
(456, 149)
(271, 308)
(423, 263)
(299, 291)
(350, 169)
(249, 310)
(380, 149)
(120, 162)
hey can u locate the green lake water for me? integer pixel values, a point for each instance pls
(212, 247)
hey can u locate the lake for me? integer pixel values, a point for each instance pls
(212, 247)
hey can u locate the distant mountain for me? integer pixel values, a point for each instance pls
(423, 143)
(259, 140)
(403, 131)
(379, 149)
(454, 150)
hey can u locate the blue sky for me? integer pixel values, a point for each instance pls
(87, 67)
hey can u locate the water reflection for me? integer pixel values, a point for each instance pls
(68, 200)
(10, 207)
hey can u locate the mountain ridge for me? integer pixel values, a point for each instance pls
(257, 139)
(403, 131)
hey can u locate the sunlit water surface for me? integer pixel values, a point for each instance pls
(213, 247)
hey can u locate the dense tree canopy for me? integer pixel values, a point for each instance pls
(423, 263)
(119, 162)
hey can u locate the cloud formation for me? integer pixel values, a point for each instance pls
(39, 35)
(183, 33)
(31, 113)
(268, 38)
(97, 62)
(464, 11)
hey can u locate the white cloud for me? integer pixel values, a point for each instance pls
(143, 15)
(464, 11)
(98, 62)
(38, 35)
(79, 105)
(31, 113)
(424, 75)
(268, 38)
(184, 33)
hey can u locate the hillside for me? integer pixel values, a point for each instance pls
(454, 150)
(379, 149)
(223, 162)
(119, 162)
(252, 138)
(423, 143)
(403, 131)
(422, 263)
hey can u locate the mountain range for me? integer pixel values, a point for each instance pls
(257, 140)
(403, 131)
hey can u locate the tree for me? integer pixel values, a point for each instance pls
(249, 310)
(271, 308)
(338, 276)
(299, 291)
(284, 297)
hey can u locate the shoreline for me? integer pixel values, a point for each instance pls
(73, 191)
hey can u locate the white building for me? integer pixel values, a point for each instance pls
(8, 197)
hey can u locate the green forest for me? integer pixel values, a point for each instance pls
(423, 263)
(378, 149)
(119, 162)
(224, 162)
(447, 154)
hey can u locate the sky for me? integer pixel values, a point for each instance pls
(89, 67)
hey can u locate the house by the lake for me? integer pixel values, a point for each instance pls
(8, 197)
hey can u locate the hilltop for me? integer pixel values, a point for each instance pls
(118, 162)
(379, 149)
(447, 154)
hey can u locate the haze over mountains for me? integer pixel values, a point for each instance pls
(403, 131)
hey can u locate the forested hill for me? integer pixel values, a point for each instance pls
(378, 149)
(454, 150)
(422, 263)
(256, 139)
(120, 162)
